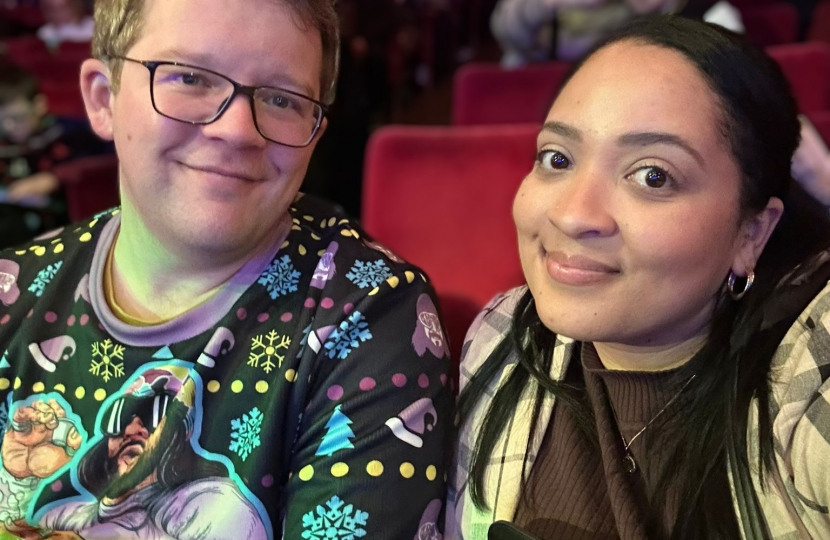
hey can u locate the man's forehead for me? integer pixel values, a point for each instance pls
(219, 35)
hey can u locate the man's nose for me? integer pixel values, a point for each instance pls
(236, 125)
(136, 428)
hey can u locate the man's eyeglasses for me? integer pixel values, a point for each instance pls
(200, 96)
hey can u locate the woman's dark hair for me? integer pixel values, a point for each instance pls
(759, 124)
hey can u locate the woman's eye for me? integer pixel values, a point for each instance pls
(553, 159)
(652, 177)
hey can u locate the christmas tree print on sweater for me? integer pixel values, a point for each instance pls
(338, 435)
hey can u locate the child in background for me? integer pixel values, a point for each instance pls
(31, 144)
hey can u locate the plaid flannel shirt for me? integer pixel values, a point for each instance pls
(794, 500)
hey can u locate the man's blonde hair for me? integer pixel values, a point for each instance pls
(119, 23)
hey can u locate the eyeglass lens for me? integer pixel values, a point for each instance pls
(194, 95)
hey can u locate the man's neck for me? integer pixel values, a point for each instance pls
(149, 481)
(153, 283)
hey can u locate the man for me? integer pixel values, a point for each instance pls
(325, 406)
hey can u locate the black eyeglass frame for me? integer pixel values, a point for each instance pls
(238, 88)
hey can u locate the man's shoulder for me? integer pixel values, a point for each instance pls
(27, 271)
(346, 239)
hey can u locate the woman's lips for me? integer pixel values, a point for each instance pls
(577, 269)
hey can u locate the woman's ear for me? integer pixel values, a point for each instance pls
(755, 232)
(96, 87)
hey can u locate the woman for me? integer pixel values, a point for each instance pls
(663, 374)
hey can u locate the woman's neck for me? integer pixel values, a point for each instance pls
(622, 357)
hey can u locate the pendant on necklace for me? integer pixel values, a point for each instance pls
(629, 464)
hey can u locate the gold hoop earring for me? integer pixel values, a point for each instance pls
(730, 285)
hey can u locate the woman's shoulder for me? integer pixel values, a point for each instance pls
(801, 365)
(812, 326)
(490, 327)
(801, 409)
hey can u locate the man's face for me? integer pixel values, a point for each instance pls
(126, 449)
(219, 188)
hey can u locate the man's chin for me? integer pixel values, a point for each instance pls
(132, 470)
(127, 461)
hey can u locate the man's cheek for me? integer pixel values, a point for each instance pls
(112, 446)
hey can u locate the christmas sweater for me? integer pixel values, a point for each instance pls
(307, 399)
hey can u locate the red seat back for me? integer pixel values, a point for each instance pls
(488, 94)
(772, 24)
(807, 67)
(90, 185)
(26, 51)
(822, 122)
(57, 72)
(29, 17)
(820, 23)
(441, 197)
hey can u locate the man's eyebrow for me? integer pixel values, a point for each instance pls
(564, 130)
(649, 138)
(207, 61)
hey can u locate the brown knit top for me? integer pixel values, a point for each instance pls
(578, 490)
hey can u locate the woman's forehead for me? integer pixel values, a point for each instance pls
(632, 86)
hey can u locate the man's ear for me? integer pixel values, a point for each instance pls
(323, 125)
(96, 88)
(755, 233)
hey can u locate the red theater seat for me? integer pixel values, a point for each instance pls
(441, 197)
(488, 94)
(822, 122)
(26, 16)
(820, 23)
(26, 51)
(57, 72)
(772, 24)
(807, 67)
(90, 185)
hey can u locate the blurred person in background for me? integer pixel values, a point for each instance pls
(66, 20)
(32, 143)
(527, 33)
(811, 163)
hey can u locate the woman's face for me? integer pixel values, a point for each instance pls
(629, 222)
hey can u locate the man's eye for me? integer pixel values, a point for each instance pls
(280, 101)
(190, 79)
(553, 159)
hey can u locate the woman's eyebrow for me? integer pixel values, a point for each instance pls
(564, 130)
(649, 138)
